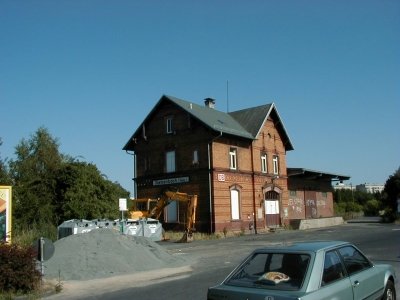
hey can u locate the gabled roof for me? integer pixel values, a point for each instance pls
(254, 118)
(312, 174)
(212, 118)
(244, 123)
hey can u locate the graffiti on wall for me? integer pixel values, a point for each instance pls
(315, 203)
(296, 205)
(312, 205)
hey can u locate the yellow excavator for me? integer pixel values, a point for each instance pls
(152, 208)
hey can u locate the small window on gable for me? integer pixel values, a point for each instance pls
(170, 128)
(233, 158)
(264, 167)
(275, 162)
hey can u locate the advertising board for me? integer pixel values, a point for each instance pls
(5, 213)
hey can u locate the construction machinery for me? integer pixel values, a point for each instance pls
(153, 208)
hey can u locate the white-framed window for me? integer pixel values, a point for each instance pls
(233, 158)
(170, 127)
(170, 161)
(275, 161)
(235, 205)
(264, 166)
(195, 157)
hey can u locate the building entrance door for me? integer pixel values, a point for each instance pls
(272, 218)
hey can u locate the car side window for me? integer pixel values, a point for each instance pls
(354, 261)
(333, 268)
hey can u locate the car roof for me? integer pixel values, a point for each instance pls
(307, 246)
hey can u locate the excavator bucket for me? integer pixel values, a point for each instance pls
(187, 237)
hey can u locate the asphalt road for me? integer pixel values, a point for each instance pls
(212, 261)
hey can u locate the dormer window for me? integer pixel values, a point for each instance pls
(170, 128)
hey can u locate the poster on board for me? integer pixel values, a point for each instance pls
(5, 213)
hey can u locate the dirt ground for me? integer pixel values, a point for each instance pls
(76, 289)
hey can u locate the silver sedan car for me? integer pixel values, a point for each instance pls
(307, 271)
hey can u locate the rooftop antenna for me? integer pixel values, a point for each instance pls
(227, 96)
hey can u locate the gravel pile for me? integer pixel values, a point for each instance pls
(105, 252)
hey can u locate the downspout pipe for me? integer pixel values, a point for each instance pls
(210, 185)
(254, 189)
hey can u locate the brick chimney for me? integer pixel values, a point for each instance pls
(209, 102)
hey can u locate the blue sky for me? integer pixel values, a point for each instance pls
(90, 72)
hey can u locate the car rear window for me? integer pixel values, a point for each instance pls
(280, 271)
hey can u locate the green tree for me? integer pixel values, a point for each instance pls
(35, 171)
(87, 194)
(392, 192)
(49, 187)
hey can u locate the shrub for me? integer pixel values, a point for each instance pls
(371, 208)
(18, 269)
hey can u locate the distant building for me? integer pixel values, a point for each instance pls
(234, 162)
(365, 187)
(370, 188)
(344, 186)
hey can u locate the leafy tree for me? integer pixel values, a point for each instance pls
(49, 187)
(35, 172)
(87, 194)
(392, 191)
(343, 196)
(347, 201)
(371, 207)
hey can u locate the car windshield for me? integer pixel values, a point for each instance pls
(280, 271)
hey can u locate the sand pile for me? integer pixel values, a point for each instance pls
(105, 252)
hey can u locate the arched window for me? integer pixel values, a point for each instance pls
(235, 204)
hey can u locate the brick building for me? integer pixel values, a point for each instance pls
(235, 162)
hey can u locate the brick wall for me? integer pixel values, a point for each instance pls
(213, 213)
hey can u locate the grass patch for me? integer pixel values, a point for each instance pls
(177, 235)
